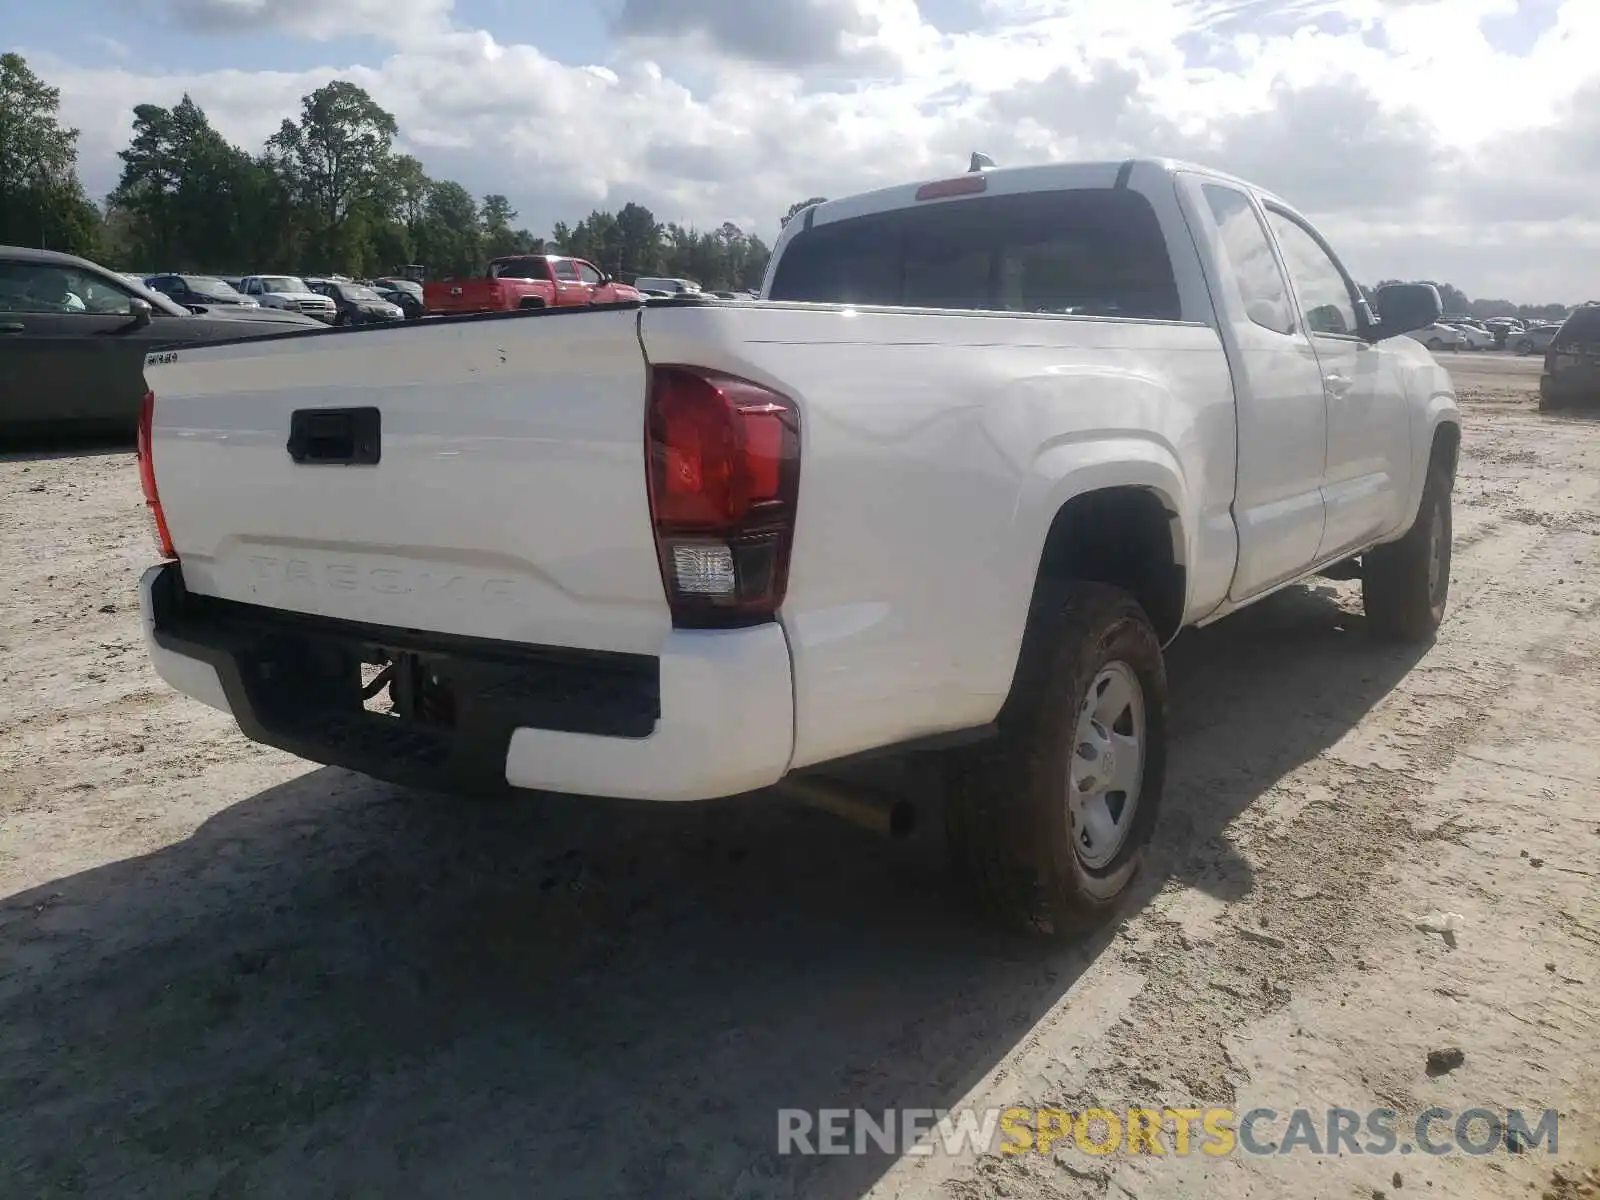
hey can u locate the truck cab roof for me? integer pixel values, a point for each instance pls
(1007, 180)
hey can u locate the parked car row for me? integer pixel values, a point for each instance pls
(334, 299)
(1499, 333)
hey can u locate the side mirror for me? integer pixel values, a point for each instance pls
(1404, 307)
(140, 311)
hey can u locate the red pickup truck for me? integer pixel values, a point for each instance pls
(526, 281)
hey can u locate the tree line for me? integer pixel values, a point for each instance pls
(329, 193)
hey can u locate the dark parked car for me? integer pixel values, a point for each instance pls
(404, 292)
(1572, 363)
(199, 291)
(1534, 339)
(73, 337)
(355, 303)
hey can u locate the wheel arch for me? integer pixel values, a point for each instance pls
(1129, 536)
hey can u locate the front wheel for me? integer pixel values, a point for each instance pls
(1435, 345)
(1405, 584)
(1049, 822)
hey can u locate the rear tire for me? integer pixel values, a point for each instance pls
(1406, 584)
(1049, 822)
(531, 303)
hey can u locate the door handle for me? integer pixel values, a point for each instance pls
(1337, 384)
(13, 327)
(336, 436)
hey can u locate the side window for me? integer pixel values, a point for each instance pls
(98, 295)
(252, 287)
(1324, 294)
(1250, 258)
(567, 271)
(588, 274)
(45, 288)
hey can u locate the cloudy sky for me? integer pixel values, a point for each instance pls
(1449, 139)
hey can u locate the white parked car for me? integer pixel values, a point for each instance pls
(983, 448)
(1438, 337)
(1477, 339)
(290, 293)
(669, 287)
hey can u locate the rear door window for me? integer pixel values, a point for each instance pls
(1090, 252)
(1250, 259)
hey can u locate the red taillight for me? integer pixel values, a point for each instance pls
(147, 476)
(961, 185)
(723, 461)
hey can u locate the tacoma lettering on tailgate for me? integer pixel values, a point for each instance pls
(303, 575)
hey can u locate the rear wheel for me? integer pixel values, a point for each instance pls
(1435, 345)
(1525, 346)
(1049, 822)
(1405, 584)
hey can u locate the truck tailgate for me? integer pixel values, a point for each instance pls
(458, 296)
(508, 499)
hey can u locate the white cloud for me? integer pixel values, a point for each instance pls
(1422, 148)
(317, 19)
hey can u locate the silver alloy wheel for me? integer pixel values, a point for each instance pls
(1107, 766)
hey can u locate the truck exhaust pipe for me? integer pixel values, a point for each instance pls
(871, 808)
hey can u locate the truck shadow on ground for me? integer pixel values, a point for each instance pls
(338, 988)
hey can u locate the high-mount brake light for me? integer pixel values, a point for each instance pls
(961, 185)
(722, 459)
(147, 476)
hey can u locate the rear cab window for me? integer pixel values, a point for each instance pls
(521, 268)
(1081, 252)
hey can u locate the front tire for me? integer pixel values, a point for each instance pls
(1049, 822)
(1405, 584)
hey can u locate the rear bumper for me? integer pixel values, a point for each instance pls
(1570, 387)
(713, 715)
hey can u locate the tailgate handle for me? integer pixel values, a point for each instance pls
(345, 437)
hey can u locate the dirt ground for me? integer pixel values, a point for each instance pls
(225, 973)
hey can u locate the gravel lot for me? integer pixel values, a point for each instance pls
(223, 973)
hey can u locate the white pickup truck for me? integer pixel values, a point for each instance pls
(984, 446)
